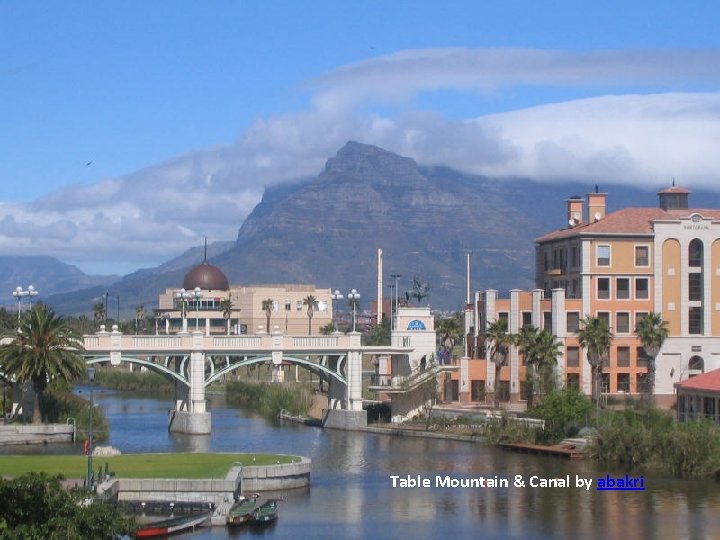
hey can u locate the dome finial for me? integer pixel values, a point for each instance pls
(205, 259)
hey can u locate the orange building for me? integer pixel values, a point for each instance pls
(619, 266)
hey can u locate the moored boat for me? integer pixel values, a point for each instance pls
(266, 513)
(241, 511)
(173, 525)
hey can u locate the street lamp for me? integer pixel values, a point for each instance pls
(337, 295)
(89, 446)
(197, 295)
(396, 277)
(392, 299)
(183, 296)
(353, 297)
(19, 293)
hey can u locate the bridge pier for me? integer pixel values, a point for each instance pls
(345, 400)
(193, 417)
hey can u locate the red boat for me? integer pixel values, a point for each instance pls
(173, 525)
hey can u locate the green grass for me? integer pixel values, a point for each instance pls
(139, 465)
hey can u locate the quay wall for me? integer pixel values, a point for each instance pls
(36, 434)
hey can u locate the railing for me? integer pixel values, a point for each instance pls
(315, 341)
(239, 342)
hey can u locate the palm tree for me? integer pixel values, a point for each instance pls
(267, 307)
(501, 341)
(227, 308)
(449, 330)
(541, 349)
(140, 319)
(595, 336)
(99, 311)
(45, 348)
(310, 302)
(652, 332)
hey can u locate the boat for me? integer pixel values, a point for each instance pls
(241, 511)
(266, 513)
(173, 525)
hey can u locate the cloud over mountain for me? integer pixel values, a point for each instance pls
(639, 125)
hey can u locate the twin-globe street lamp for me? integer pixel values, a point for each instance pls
(336, 295)
(89, 442)
(21, 293)
(183, 295)
(353, 297)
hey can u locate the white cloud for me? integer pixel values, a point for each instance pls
(160, 211)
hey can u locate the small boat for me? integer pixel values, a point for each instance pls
(266, 513)
(241, 511)
(173, 525)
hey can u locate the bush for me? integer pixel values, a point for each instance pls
(144, 381)
(562, 410)
(506, 430)
(651, 438)
(270, 398)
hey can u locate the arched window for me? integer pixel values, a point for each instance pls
(696, 363)
(695, 253)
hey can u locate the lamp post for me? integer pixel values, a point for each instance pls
(353, 296)
(392, 309)
(336, 295)
(118, 310)
(197, 294)
(91, 378)
(183, 296)
(21, 293)
(106, 307)
(396, 277)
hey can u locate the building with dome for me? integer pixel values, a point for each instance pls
(207, 302)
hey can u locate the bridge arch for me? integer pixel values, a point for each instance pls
(311, 366)
(157, 368)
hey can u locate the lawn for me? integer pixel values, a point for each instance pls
(209, 465)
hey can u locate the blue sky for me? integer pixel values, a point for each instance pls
(116, 118)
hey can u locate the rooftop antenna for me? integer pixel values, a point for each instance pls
(597, 189)
(205, 249)
(673, 182)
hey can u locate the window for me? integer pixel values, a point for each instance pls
(605, 316)
(573, 380)
(575, 256)
(695, 320)
(639, 316)
(547, 321)
(622, 320)
(642, 256)
(642, 289)
(642, 357)
(288, 305)
(622, 288)
(603, 285)
(695, 286)
(623, 357)
(695, 253)
(546, 259)
(573, 322)
(641, 383)
(696, 363)
(299, 305)
(623, 382)
(603, 255)
(526, 319)
(477, 390)
(572, 358)
(503, 315)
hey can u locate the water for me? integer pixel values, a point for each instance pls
(351, 495)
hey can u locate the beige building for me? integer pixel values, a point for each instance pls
(619, 266)
(202, 303)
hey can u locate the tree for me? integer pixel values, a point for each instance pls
(99, 312)
(267, 307)
(140, 319)
(44, 349)
(449, 331)
(500, 342)
(540, 349)
(36, 506)
(595, 337)
(652, 332)
(328, 329)
(226, 306)
(310, 302)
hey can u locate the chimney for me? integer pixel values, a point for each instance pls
(596, 205)
(574, 210)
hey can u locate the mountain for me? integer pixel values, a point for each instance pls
(47, 274)
(326, 231)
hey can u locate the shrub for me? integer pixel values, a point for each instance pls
(270, 398)
(562, 410)
(506, 430)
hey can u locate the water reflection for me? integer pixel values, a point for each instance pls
(351, 494)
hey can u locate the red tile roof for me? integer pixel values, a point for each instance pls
(706, 381)
(630, 221)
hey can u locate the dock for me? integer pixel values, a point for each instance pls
(565, 450)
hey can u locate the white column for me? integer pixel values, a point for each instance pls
(354, 374)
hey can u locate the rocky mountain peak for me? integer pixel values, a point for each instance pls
(366, 162)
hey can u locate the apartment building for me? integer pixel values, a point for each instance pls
(619, 266)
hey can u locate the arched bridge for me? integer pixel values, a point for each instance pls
(195, 360)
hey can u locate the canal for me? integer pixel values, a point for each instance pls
(351, 493)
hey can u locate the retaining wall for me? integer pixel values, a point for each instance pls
(36, 434)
